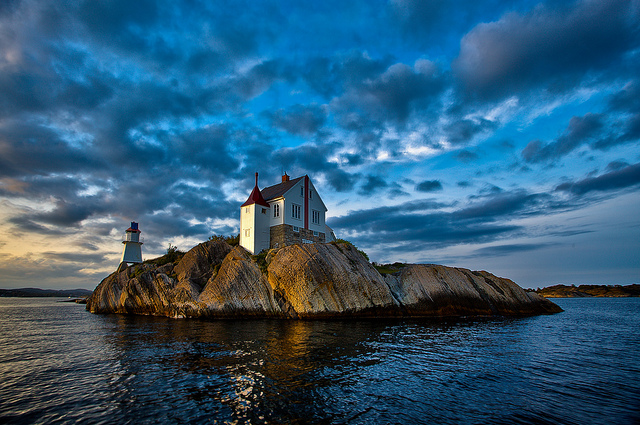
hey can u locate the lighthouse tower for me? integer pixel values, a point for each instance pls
(254, 222)
(132, 252)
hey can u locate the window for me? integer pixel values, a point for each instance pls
(246, 210)
(310, 194)
(264, 211)
(315, 233)
(296, 229)
(302, 191)
(295, 211)
(316, 217)
(247, 233)
(276, 210)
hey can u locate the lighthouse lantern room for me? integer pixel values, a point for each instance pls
(132, 252)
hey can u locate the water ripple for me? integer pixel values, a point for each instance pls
(60, 364)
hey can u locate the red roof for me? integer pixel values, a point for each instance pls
(255, 198)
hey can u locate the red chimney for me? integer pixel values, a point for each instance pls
(285, 178)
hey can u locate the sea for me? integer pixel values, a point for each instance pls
(60, 364)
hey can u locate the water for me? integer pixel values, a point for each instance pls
(60, 364)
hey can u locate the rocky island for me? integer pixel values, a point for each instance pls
(216, 280)
(583, 291)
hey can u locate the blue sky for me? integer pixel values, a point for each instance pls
(493, 135)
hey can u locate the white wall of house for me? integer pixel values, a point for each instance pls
(292, 208)
(254, 228)
(277, 213)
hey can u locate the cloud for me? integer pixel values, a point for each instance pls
(551, 46)
(331, 76)
(75, 257)
(422, 224)
(462, 131)
(501, 204)
(310, 158)
(579, 131)
(619, 178)
(429, 186)
(299, 119)
(393, 95)
(373, 184)
(508, 249)
(466, 156)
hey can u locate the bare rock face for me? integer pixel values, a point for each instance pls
(238, 289)
(306, 281)
(171, 289)
(321, 280)
(432, 290)
(198, 264)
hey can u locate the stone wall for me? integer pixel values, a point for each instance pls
(283, 235)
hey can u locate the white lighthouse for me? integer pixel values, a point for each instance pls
(132, 252)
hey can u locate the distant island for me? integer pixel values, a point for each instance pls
(573, 291)
(36, 292)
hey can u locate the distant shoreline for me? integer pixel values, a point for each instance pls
(589, 291)
(44, 293)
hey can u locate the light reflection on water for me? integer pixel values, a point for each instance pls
(60, 364)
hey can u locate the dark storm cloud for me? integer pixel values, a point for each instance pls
(501, 204)
(627, 99)
(394, 94)
(619, 178)
(426, 224)
(462, 131)
(579, 131)
(28, 147)
(331, 76)
(65, 214)
(313, 158)
(373, 184)
(401, 227)
(429, 186)
(627, 103)
(302, 120)
(466, 155)
(24, 224)
(504, 250)
(552, 46)
(75, 258)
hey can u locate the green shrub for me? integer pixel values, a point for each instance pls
(173, 254)
(231, 240)
(344, 241)
(261, 259)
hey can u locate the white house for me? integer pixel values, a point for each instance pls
(287, 213)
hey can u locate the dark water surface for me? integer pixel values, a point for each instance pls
(60, 364)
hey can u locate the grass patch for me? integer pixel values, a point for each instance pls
(337, 242)
(173, 255)
(389, 268)
(231, 240)
(261, 260)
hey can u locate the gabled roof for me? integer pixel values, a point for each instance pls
(278, 190)
(255, 198)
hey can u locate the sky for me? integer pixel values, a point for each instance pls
(487, 134)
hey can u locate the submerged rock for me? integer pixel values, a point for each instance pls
(306, 281)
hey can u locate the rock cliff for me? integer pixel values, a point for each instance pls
(213, 280)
